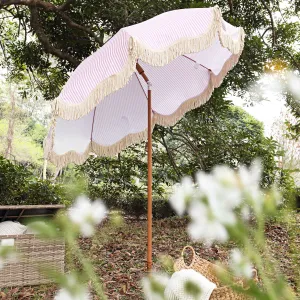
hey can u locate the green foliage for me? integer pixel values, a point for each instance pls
(216, 133)
(287, 187)
(19, 186)
(102, 19)
(28, 136)
(36, 131)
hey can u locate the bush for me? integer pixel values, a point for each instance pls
(137, 207)
(19, 186)
(132, 205)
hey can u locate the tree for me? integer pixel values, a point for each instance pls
(290, 148)
(11, 124)
(43, 41)
(46, 40)
(216, 133)
(21, 133)
(19, 186)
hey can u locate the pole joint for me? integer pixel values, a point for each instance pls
(149, 83)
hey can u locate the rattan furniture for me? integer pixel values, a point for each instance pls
(33, 253)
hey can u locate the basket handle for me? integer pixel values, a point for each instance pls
(193, 258)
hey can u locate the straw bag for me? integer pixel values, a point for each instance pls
(209, 270)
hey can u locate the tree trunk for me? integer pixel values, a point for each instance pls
(11, 124)
(45, 169)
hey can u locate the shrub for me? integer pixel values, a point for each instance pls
(132, 205)
(19, 186)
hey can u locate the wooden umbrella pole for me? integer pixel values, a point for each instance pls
(149, 154)
(149, 210)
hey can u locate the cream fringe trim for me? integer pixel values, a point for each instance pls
(214, 82)
(169, 120)
(155, 58)
(94, 148)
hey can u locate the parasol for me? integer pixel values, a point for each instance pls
(146, 74)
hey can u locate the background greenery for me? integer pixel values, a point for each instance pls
(20, 186)
(42, 42)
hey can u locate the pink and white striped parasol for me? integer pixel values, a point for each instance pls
(103, 107)
(106, 104)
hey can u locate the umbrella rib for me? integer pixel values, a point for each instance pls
(93, 127)
(141, 85)
(196, 62)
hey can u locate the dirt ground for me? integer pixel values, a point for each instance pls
(118, 255)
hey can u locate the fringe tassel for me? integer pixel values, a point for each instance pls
(94, 148)
(214, 82)
(164, 120)
(155, 58)
(117, 81)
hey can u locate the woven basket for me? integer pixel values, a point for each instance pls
(209, 270)
(32, 254)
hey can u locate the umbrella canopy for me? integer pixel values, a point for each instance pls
(103, 107)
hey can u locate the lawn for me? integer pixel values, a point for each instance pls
(118, 255)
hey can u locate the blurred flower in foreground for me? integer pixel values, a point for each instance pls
(240, 265)
(72, 290)
(7, 254)
(293, 84)
(204, 226)
(213, 201)
(154, 286)
(87, 214)
(64, 294)
(250, 184)
(182, 195)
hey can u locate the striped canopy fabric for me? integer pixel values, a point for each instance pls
(103, 107)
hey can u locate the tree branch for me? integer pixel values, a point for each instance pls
(75, 25)
(34, 22)
(272, 22)
(295, 63)
(171, 158)
(269, 28)
(59, 10)
(66, 5)
(187, 142)
(230, 4)
(281, 48)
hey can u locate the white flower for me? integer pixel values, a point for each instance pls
(225, 176)
(136, 181)
(245, 212)
(182, 195)
(212, 205)
(222, 185)
(7, 255)
(250, 184)
(64, 294)
(220, 198)
(240, 264)
(73, 290)
(293, 84)
(87, 214)
(251, 177)
(276, 196)
(204, 226)
(227, 186)
(154, 286)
